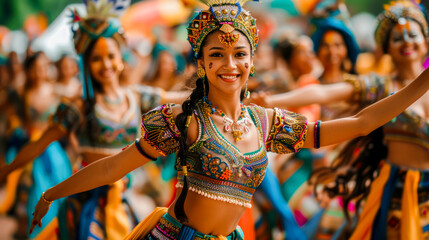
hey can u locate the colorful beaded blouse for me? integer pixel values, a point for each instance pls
(216, 168)
(406, 127)
(112, 135)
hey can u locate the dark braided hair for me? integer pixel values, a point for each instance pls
(201, 89)
(362, 157)
(187, 107)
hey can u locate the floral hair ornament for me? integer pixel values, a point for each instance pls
(226, 16)
(399, 12)
(101, 21)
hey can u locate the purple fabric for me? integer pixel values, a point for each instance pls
(426, 64)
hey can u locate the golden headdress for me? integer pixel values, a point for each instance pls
(224, 15)
(391, 15)
(101, 21)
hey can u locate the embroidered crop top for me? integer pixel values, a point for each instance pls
(406, 127)
(216, 168)
(112, 135)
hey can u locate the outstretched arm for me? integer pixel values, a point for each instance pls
(175, 97)
(319, 94)
(102, 172)
(32, 150)
(371, 117)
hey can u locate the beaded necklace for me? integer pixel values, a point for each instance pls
(117, 101)
(236, 127)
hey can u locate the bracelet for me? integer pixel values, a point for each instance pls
(185, 170)
(46, 200)
(142, 152)
(317, 134)
(188, 120)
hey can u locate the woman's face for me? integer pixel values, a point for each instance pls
(39, 70)
(332, 50)
(68, 67)
(407, 42)
(302, 58)
(227, 67)
(105, 61)
(167, 64)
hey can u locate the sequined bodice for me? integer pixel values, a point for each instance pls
(113, 134)
(217, 166)
(406, 127)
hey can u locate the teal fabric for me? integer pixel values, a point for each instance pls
(49, 169)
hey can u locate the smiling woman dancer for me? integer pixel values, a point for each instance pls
(221, 144)
(104, 120)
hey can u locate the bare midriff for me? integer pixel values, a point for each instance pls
(209, 216)
(408, 155)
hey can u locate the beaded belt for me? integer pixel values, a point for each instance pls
(168, 228)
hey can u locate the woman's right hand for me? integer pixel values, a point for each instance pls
(40, 211)
(258, 98)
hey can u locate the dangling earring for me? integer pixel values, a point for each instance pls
(246, 92)
(202, 75)
(252, 71)
(201, 72)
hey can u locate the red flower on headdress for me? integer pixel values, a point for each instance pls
(75, 16)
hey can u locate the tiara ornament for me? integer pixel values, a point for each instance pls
(226, 16)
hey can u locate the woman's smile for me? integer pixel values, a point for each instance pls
(229, 77)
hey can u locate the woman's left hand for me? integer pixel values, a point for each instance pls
(40, 211)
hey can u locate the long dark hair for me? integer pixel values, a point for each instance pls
(28, 65)
(201, 89)
(362, 157)
(91, 123)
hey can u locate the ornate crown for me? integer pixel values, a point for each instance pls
(224, 15)
(395, 11)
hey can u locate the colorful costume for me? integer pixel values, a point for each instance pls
(397, 203)
(84, 210)
(50, 168)
(217, 169)
(101, 213)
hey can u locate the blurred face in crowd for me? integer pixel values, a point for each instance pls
(105, 61)
(227, 68)
(407, 42)
(67, 67)
(39, 70)
(303, 56)
(167, 64)
(332, 51)
(15, 65)
(264, 57)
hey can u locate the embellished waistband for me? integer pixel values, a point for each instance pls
(219, 190)
(168, 228)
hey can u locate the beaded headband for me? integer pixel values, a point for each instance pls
(393, 13)
(99, 22)
(226, 16)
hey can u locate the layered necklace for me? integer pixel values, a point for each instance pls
(118, 101)
(237, 128)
